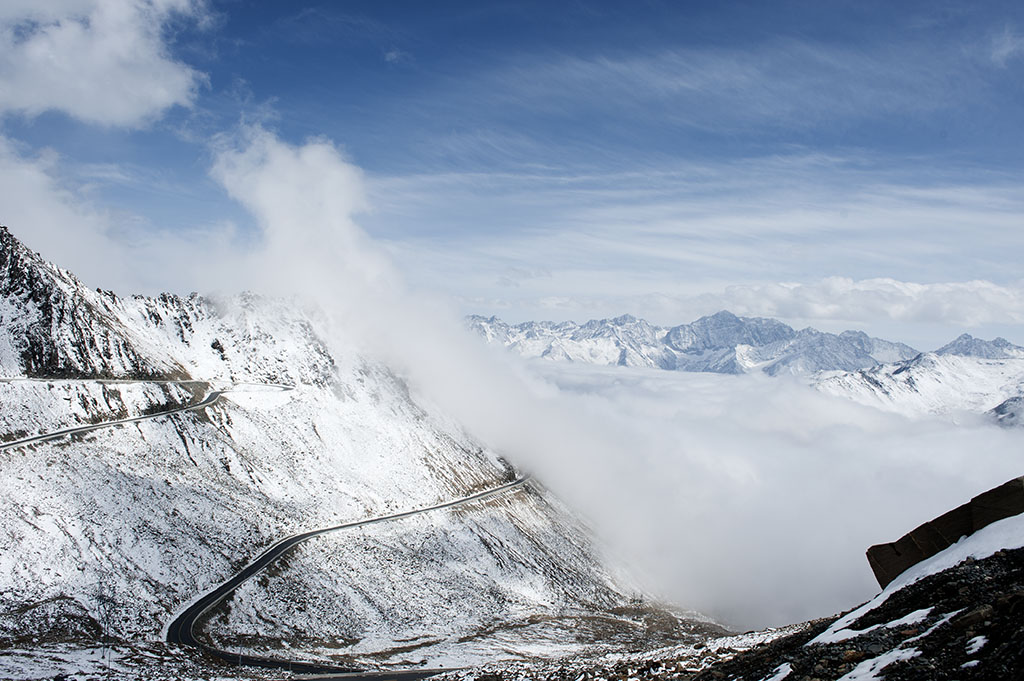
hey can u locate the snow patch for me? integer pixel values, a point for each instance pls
(846, 634)
(868, 669)
(976, 644)
(780, 672)
(1003, 534)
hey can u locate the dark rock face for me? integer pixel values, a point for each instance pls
(975, 630)
(890, 560)
(60, 328)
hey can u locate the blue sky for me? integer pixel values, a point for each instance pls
(839, 164)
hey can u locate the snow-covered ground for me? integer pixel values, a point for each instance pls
(110, 533)
(931, 384)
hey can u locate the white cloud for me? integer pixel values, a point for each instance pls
(966, 304)
(751, 498)
(790, 82)
(100, 61)
(669, 242)
(46, 215)
(55, 216)
(397, 56)
(304, 199)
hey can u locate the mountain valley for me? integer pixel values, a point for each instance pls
(152, 447)
(110, 532)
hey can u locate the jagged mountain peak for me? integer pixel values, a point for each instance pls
(721, 342)
(967, 345)
(720, 316)
(25, 272)
(53, 326)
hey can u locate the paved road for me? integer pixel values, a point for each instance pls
(181, 629)
(210, 399)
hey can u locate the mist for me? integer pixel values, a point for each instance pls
(747, 498)
(753, 499)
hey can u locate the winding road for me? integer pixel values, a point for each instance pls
(212, 398)
(181, 630)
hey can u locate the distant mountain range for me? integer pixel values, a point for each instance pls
(966, 374)
(719, 343)
(936, 383)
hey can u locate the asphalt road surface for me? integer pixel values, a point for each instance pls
(210, 399)
(181, 629)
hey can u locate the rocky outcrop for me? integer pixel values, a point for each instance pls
(55, 327)
(890, 560)
(966, 622)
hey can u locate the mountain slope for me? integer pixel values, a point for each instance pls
(119, 529)
(931, 383)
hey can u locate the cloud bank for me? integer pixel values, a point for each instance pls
(100, 61)
(966, 304)
(751, 498)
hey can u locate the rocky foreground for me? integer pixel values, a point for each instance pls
(966, 622)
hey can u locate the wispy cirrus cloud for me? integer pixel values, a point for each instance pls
(787, 82)
(860, 241)
(966, 303)
(770, 219)
(1006, 45)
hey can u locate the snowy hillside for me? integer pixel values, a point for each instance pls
(934, 383)
(119, 529)
(720, 343)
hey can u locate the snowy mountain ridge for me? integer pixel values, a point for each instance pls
(966, 375)
(114, 531)
(966, 345)
(934, 383)
(720, 343)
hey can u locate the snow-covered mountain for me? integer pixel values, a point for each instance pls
(119, 529)
(967, 345)
(966, 375)
(934, 383)
(721, 343)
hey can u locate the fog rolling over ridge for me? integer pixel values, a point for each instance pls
(748, 498)
(269, 383)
